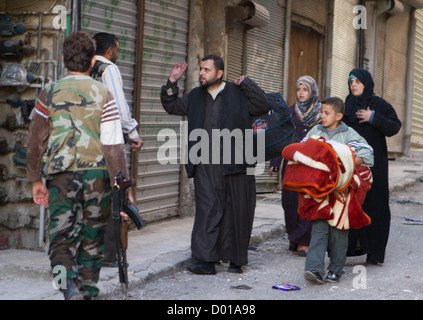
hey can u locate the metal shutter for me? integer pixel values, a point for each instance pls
(264, 64)
(235, 53)
(165, 44)
(314, 10)
(265, 49)
(396, 68)
(379, 76)
(344, 47)
(119, 18)
(417, 112)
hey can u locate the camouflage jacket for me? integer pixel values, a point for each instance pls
(76, 126)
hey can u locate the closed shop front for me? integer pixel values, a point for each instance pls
(386, 50)
(260, 53)
(344, 47)
(119, 18)
(417, 113)
(264, 62)
(396, 68)
(164, 45)
(163, 42)
(307, 43)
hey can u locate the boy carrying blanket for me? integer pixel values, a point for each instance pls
(330, 170)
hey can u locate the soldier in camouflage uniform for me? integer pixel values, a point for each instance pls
(76, 128)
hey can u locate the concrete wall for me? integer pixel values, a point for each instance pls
(19, 217)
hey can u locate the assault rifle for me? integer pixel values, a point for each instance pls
(120, 202)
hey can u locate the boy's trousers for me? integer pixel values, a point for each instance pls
(79, 206)
(324, 238)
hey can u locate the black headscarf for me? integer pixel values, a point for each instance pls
(353, 103)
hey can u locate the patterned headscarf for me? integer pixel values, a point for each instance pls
(309, 112)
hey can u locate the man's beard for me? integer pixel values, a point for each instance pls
(113, 59)
(114, 56)
(207, 84)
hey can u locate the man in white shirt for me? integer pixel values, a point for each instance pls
(106, 71)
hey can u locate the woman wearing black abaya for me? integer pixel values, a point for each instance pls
(374, 119)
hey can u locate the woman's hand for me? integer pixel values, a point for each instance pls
(364, 114)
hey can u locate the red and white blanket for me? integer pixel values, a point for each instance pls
(329, 185)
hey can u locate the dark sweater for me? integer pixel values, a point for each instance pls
(235, 104)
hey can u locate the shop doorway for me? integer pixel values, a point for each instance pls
(305, 58)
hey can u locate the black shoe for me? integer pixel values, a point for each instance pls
(292, 246)
(110, 264)
(86, 294)
(202, 268)
(313, 277)
(234, 268)
(332, 277)
(72, 291)
(373, 262)
(302, 253)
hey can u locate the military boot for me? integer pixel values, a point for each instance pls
(72, 291)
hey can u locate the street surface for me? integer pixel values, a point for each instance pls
(271, 263)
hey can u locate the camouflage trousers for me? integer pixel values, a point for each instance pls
(80, 207)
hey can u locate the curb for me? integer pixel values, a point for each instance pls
(405, 183)
(112, 286)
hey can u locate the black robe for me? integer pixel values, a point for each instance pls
(225, 196)
(385, 123)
